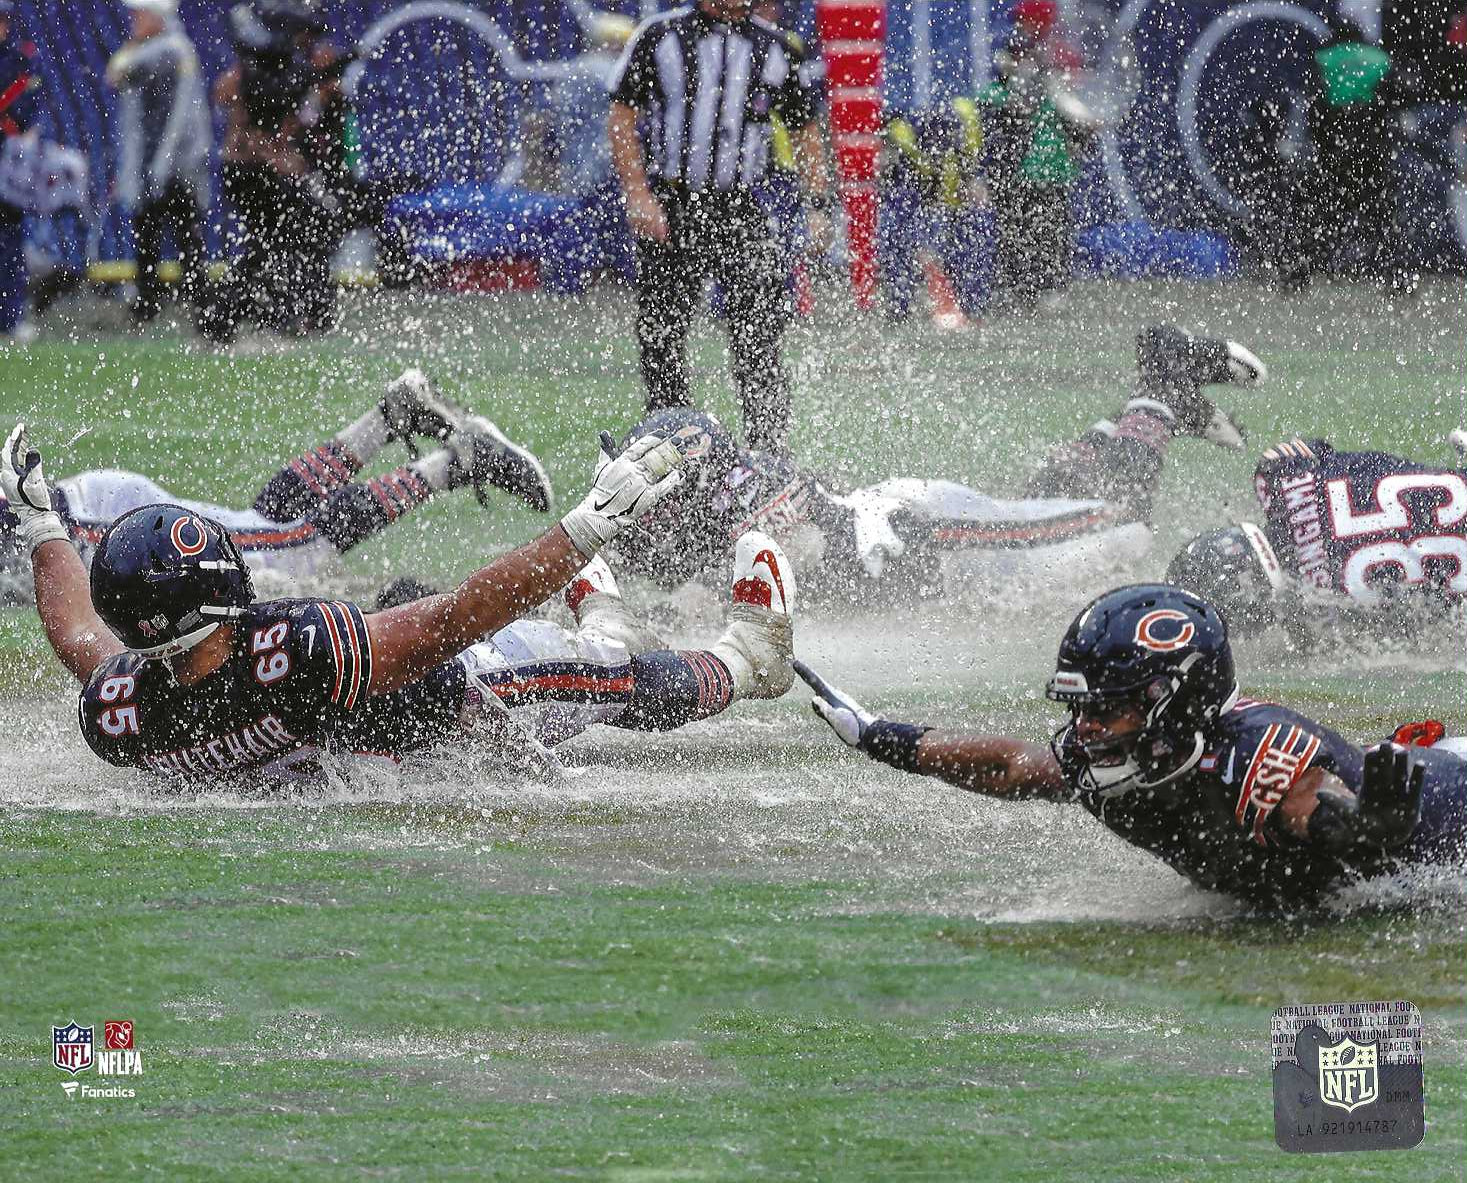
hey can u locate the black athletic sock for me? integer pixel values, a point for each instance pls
(307, 482)
(673, 687)
(353, 514)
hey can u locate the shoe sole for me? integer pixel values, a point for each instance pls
(515, 470)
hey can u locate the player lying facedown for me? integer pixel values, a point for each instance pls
(1353, 544)
(182, 672)
(1240, 796)
(314, 507)
(1096, 490)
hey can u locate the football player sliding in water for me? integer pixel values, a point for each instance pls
(1092, 495)
(1240, 796)
(182, 672)
(315, 508)
(1354, 545)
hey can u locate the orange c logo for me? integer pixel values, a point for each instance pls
(178, 533)
(1147, 633)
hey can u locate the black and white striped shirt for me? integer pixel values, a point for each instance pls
(706, 90)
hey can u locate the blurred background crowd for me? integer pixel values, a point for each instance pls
(242, 160)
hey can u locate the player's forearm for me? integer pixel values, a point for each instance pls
(409, 641)
(990, 764)
(626, 150)
(64, 603)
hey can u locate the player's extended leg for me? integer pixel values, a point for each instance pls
(752, 270)
(601, 614)
(320, 483)
(1121, 461)
(669, 285)
(537, 662)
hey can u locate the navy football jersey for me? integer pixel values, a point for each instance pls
(1217, 826)
(1367, 524)
(298, 678)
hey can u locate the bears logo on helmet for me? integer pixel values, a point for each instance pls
(181, 529)
(1153, 637)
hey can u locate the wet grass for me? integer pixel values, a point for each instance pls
(792, 978)
(310, 1011)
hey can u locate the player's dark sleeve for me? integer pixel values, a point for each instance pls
(107, 711)
(327, 654)
(633, 80)
(797, 101)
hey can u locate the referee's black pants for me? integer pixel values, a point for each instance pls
(725, 236)
(176, 209)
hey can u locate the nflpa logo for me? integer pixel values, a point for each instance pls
(117, 1035)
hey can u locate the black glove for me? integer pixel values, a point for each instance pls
(1386, 810)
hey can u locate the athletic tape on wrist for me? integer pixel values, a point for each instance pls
(38, 528)
(893, 743)
(580, 527)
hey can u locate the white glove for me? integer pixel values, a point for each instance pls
(24, 486)
(625, 489)
(847, 717)
(876, 541)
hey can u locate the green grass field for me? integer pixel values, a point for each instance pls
(729, 952)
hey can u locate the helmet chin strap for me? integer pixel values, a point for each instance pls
(1120, 779)
(179, 644)
(192, 638)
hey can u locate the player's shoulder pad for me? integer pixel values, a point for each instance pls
(1267, 749)
(119, 665)
(323, 640)
(1252, 727)
(1294, 454)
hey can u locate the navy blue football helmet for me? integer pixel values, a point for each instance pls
(712, 455)
(1159, 648)
(164, 578)
(1234, 569)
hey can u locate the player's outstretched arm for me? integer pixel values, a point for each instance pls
(990, 764)
(63, 597)
(410, 640)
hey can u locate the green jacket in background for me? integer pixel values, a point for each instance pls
(1352, 71)
(1048, 159)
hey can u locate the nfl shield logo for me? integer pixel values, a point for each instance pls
(71, 1048)
(1348, 1075)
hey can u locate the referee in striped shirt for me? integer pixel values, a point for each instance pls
(692, 98)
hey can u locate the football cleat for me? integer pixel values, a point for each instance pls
(1173, 366)
(1458, 439)
(1244, 366)
(484, 456)
(1189, 412)
(413, 407)
(602, 615)
(758, 642)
